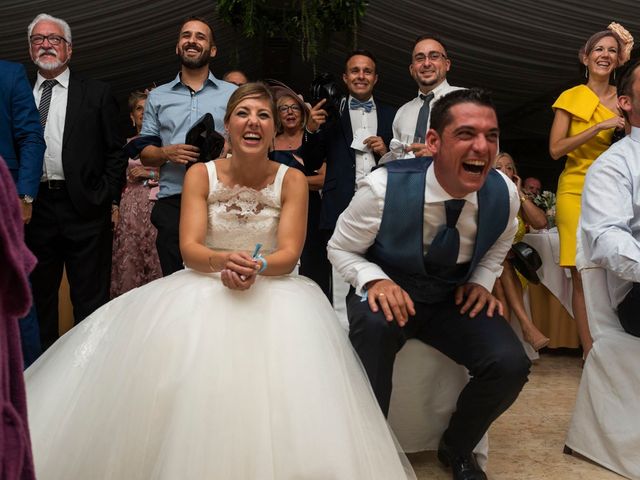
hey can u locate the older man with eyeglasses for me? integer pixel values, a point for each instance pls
(82, 177)
(429, 67)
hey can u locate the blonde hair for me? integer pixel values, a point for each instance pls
(505, 154)
(304, 112)
(251, 90)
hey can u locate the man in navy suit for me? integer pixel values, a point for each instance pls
(22, 148)
(82, 178)
(352, 144)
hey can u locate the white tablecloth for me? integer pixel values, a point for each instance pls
(557, 279)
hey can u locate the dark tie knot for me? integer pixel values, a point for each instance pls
(355, 104)
(452, 210)
(49, 84)
(427, 98)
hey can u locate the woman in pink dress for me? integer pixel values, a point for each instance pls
(135, 259)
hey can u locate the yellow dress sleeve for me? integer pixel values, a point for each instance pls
(522, 229)
(579, 101)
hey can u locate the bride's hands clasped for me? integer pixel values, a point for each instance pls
(240, 271)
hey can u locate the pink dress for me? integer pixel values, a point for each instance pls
(135, 259)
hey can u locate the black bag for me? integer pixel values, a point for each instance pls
(526, 260)
(204, 136)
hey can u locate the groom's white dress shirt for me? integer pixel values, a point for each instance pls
(359, 224)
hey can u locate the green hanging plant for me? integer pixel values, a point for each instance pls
(308, 22)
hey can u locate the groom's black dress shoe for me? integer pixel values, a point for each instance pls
(464, 467)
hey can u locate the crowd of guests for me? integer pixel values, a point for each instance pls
(116, 224)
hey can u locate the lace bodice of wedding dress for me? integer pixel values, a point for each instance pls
(240, 217)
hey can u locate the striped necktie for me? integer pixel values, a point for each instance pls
(45, 100)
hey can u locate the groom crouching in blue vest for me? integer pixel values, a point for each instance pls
(422, 243)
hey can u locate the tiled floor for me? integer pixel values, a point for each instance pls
(526, 442)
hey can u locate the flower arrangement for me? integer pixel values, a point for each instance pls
(547, 202)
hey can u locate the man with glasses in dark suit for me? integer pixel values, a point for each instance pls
(81, 181)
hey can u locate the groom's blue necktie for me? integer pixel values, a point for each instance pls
(445, 246)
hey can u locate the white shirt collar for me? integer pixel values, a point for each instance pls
(635, 134)
(435, 193)
(63, 79)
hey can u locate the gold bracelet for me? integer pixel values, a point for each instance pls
(523, 198)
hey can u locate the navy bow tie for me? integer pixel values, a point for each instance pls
(355, 104)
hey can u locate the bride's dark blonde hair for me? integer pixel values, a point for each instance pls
(251, 90)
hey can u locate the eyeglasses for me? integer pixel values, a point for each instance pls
(432, 56)
(53, 39)
(286, 108)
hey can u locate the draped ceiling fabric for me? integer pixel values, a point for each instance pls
(524, 51)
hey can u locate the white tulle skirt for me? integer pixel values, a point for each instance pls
(186, 379)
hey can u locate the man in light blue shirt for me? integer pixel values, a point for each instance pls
(170, 111)
(609, 232)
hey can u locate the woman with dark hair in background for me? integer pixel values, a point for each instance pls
(585, 118)
(135, 258)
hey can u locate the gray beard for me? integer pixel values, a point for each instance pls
(48, 66)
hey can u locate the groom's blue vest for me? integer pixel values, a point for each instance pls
(398, 248)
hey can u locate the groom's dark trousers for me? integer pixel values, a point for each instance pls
(486, 346)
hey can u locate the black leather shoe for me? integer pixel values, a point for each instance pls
(464, 467)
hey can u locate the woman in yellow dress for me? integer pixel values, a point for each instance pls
(508, 287)
(585, 119)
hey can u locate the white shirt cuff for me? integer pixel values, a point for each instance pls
(367, 274)
(485, 277)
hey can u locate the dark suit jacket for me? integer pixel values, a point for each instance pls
(333, 143)
(21, 142)
(92, 158)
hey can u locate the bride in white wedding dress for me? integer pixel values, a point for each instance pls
(228, 370)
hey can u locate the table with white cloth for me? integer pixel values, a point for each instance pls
(550, 302)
